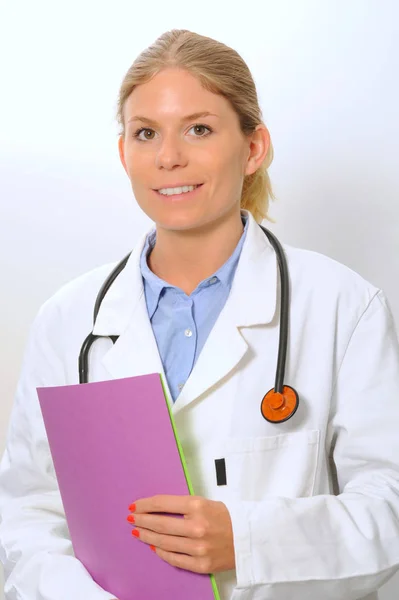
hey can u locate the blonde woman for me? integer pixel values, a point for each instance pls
(308, 506)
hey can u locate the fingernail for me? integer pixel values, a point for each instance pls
(131, 519)
(132, 507)
(152, 548)
(135, 533)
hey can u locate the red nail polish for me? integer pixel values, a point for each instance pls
(131, 519)
(152, 548)
(135, 533)
(132, 507)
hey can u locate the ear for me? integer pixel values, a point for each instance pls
(121, 148)
(258, 148)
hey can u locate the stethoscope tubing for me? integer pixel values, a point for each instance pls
(91, 338)
(83, 362)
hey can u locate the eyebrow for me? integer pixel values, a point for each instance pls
(191, 117)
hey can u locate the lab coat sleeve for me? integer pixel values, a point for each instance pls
(341, 546)
(35, 546)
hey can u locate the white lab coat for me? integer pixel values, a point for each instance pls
(314, 501)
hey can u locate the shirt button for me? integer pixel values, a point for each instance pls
(213, 280)
(188, 333)
(180, 386)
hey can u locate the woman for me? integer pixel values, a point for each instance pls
(310, 508)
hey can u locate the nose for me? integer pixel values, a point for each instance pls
(171, 153)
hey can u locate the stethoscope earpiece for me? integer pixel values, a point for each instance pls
(276, 407)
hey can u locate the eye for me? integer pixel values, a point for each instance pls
(138, 132)
(196, 126)
(199, 126)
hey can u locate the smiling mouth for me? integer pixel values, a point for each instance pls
(180, 186)
(177, 197)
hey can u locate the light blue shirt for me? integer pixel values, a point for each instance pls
(182, 323)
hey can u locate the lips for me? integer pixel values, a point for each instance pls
(177, 186)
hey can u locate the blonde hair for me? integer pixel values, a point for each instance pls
(220, 70)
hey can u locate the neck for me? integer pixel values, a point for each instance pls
(185, 258)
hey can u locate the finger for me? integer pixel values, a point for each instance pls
(163, 524)
(166, 503)
(185, 561)
(168, 543)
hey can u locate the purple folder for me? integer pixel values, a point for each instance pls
(114, 442)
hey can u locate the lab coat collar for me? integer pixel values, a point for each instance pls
(252, 301)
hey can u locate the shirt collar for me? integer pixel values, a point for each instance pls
(154, 284)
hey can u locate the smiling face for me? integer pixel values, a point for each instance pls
(170, 150)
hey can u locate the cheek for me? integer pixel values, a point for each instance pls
(139, 176)
(138, 162)
(227, 162)
(228, 174)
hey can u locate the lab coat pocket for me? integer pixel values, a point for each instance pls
(281, 465)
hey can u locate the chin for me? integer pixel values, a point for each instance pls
(175, 224)
(177, 220)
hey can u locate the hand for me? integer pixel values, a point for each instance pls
(201, 541)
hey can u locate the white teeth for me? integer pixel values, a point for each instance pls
(179, 190)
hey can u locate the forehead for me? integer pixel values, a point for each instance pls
(174, 93)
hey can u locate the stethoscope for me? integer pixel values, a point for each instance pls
(281, 402)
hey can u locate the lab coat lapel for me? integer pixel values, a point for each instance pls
(124, 313)
(252, 301)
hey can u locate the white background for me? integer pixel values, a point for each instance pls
(327, 78)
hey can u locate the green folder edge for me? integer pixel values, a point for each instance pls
(185, 469)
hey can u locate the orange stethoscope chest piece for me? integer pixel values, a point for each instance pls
(276, 407)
